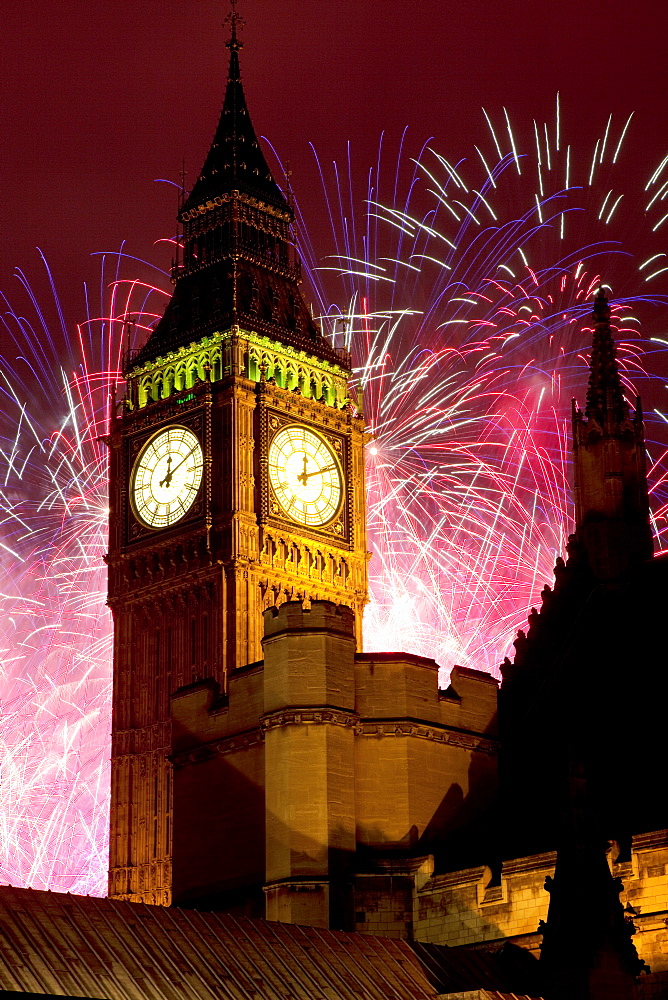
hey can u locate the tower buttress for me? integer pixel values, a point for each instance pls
(611, 500)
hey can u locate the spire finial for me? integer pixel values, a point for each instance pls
(601, 306)
(234, 18)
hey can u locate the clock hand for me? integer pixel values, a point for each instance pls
(304, 476)
(168, 477)
(180, 463)
(317, 472)
(170, 472)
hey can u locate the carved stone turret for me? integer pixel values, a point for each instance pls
(587, 951)
(611, 502)
(561, 680)
(328, 782)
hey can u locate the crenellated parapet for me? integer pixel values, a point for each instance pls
(347, 767)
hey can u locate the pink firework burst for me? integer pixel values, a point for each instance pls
(463, 291)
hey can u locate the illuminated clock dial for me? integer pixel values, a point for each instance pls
(166, 477)
(305, 476)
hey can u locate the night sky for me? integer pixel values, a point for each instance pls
(99, 100)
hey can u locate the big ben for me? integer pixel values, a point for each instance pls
(237, 478)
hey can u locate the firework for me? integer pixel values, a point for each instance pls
(464, 294)
(55, 636)
(463, 291)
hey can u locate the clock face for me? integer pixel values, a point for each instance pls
(166, 477)
(305, 475)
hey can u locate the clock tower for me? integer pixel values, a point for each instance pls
(236, 479)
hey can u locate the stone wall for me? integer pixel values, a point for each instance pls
(323, 767)
(469, 908)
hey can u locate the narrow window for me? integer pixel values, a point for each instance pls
(157, 674)
(156, 818)
(205, 639)
(168, 664)
(168, 813)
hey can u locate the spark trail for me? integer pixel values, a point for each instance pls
(55, 632)
(464, 292)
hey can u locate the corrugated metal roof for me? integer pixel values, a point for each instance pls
(89, 947)
(483, 995)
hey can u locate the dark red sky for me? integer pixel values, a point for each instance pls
(99, 99)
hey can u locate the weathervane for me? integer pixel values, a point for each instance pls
(234, 18)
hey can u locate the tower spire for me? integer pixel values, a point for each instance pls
(238, 266)
(611, 499)
(587, 951)
(605, 394)
(235, 161)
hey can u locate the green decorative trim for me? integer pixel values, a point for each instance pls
(212, 358)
